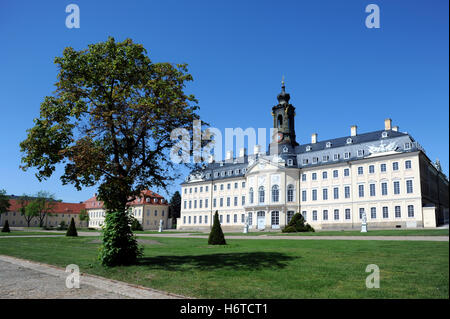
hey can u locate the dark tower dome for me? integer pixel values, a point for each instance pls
(283, 97)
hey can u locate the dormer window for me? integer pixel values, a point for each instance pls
(155, 200)
(290, 162)
(328, 145)
(325, 158)
(216, 174)
(285, 149)
(407, 146)
(360, 153)
(221, 164)
(349, 141)
(305, 161)
(230, 172)
(336, 157)
(222, 173)
(148, 199)
(347, 155)
(384, 134)
(236, 172)
(244, 170)
(308, 148)
(315, 159)
(208, 175)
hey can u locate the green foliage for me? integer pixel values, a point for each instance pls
(216, 236)
(72, 230)
(136, 225)
(84, 216)
(62, 225)
(5, 228)
(120, 246)
(175, 208)
(110, 122)
(4, 202)
(297, 224)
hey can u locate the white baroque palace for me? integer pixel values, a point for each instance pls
(384, 175)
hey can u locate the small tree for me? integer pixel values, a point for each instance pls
(4, 202)
(136, 225)
(297, 224)
(216, 236)
(72, 230)
(84, 216)
(5, 228)
(175, 207)
(30, 210)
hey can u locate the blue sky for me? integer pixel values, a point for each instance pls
(338, 72)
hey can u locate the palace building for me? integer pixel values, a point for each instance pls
(383, 175)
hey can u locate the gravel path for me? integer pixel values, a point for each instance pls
(23, 279)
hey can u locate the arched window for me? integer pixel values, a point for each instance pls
(290, 193)
(280, 120)
(250, 193)
(261, 194)
(275, 193)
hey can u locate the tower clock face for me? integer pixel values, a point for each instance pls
(279, 137)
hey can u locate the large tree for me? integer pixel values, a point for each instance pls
(109, 121)
(4, 202)
(41, 206)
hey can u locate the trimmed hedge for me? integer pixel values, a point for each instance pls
(72, 230)
(216, 236)
(5, 228)
(297, 224)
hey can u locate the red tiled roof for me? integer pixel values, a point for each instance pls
(58, 208)
(149, 198)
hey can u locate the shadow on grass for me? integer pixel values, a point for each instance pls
(230, 261)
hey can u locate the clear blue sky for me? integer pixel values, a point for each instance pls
(338, 72)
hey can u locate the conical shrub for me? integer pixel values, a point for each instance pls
(72, 230)
(5, 228)
(216, 236)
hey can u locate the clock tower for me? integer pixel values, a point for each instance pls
(283, 120)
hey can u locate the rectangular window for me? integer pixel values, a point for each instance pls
(325, 158)
(336, 193)
(221, 219)
(409, 186)
(396, 187)
(303, 177)
(371, 169)
(398, 212)
(410, 210)
(372, 189)
(221, 202)
(184, 219)
(250, 218)
(228, 201)
(195, 190)
(324, 175)
(395, 166)
(275, 218)
(407, 164)
(303, 213)
(336, 214)
(185, 204)
(314, 176)
(347, 213)
(206, 219)
(228, 218)
(360, 153)
(314, 194)
(243, 184)
(346, 172)
(361, 213)
(206, 188)
(384, 189)
(325, 214)
(336, 157)
(290, 213)
(347, 191)
(360, 170)
(314, 214)
(200, 219)
(242, 218)
(235, 218)
(189, 220)
(347, 155)
(373, 212)
(385, 212)
(235, 185)
(221, 187)
(361, 190)
(243, 200)
(228, 186)
(383, 167)
(214, 202)
(235, 201)
(407, 146)
(206, 203)
(335, 173)
(325, 194)
(190, 204)
(304, 196)
(201, 190)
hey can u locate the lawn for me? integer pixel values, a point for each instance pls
(28, 233)
(260, 269)
(383, 232)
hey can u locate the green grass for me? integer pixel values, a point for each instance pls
(384, 232)
(28, 233)
(260, 269)
(137, 232)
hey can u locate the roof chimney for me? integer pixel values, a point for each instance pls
(353, 130)
(395, 128)
(229, 155)
(314, 138)
(387, 124)
(242, 152)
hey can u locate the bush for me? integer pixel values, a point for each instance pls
(72, 230)
(119, 246)
(62, 225)
(5, 228)
(136, 225)
(48, 227)
(297, 224)
(216, 236)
